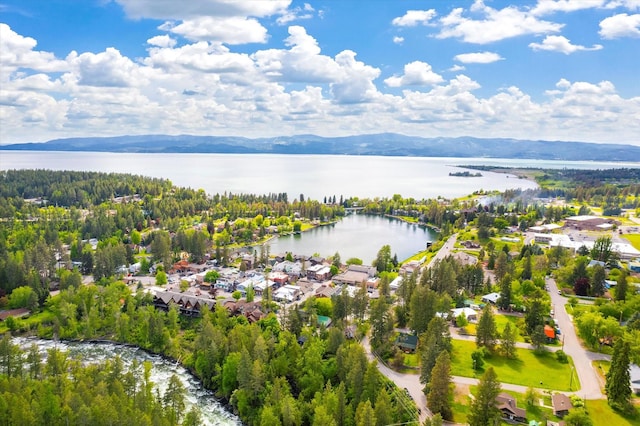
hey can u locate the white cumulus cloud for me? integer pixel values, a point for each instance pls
(414, 17)
(415, 74)
(493, 25)
(398, 40)
(545, 7)
(182, 10)
(162, 41)
(621, 25)
(561, 44)
(478, 58)
(232, 30)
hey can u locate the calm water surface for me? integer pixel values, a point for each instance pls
(315, 176)
(357, 235)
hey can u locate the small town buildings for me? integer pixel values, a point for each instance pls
(319, 272)
(280, 278)
(293, 269)
(409, 267)
(287, 293)
(395, 284)
(369, 270)
(491, 298)
(327, 291)
(561, 404)
(189, 304)
(465, 258)
(250, 310)
(351, 277)
(507, 405)
(589, 223)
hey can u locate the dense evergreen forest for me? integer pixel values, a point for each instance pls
(56, 227)
(63, 391)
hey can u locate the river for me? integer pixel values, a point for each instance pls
(357, 235)
(213, 413)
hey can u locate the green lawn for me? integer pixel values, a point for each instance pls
(601, 414)
(634, 240)
(528, 370)
(501, 322)
(462, 403)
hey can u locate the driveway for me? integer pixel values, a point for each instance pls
(589, 379)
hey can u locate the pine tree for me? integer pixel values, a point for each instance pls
(508, 342)
(439, 397)
(505, 293)
(486, 332)
(618, 384)
(483, 409)
(597, 281)
(622, 286)
(432, 342)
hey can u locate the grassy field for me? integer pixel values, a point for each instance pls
(601, 414)
(634, 240)
(527, 370)
(501, 322)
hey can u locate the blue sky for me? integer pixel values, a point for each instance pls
(566, 70)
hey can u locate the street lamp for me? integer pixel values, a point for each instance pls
(571, 380)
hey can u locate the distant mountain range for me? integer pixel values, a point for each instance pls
(386, 144)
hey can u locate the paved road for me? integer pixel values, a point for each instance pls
(589, 380)
(411, 382)
(445, 250)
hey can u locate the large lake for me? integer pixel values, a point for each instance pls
(315, 176)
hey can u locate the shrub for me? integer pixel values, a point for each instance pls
(562, 357)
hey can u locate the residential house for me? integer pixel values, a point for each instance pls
(280, 278)
(250, 310)
(470, 314)
(369, 270)
(507, 405)
(293, 269)
(189, 304)
(491, 298)
(409, 267)
(319, 272)
(634, 375)
(561, 404)
(395, 284)
(372, 284)
(287, 293)
(327, 291)
(351, 278)
(407, 342)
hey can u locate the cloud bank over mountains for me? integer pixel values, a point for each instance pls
(268, 68)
